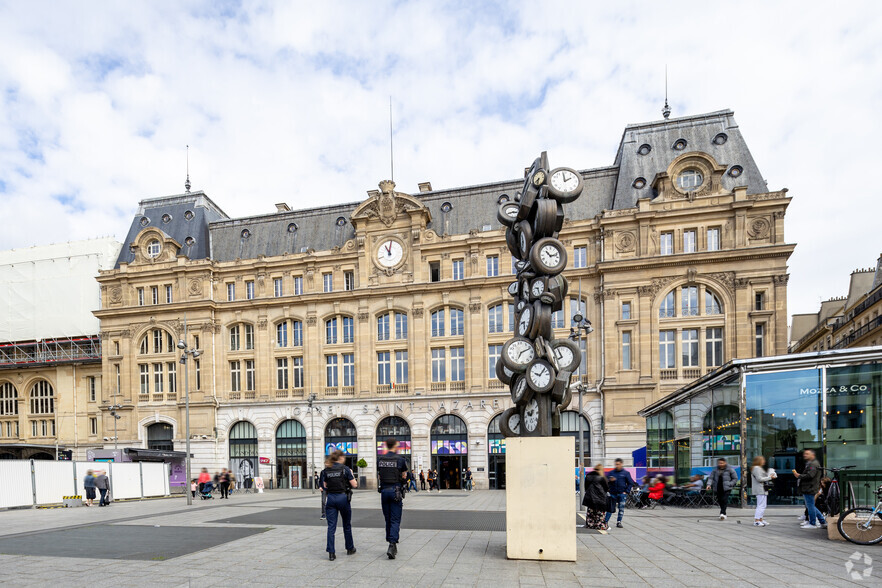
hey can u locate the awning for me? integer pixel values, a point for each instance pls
(136, 454)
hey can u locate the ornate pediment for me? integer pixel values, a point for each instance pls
(387, 206)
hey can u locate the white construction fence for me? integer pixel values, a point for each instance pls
(37, 482)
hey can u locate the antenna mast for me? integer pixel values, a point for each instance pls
(187, 183)
(666, 111)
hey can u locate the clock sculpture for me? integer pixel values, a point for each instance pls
(536, 367)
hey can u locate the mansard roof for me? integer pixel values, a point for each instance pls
(221, 238)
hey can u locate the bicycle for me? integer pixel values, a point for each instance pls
(833, 493)
(863, 529)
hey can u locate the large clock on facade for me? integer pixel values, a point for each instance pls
(389, 253)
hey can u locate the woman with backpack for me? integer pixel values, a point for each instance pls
(758, 485)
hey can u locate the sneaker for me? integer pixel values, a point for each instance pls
(800, 518)
(823, 525)
(350, 551)
(759, 524)
(723, 517)
(619, 525)
(809, 526)
(765, 522)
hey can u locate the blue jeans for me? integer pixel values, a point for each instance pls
(620, 498)
(392, 513)
(337, 503)
(814, 515)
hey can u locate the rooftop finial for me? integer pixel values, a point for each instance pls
(187, 183)
(666, 111)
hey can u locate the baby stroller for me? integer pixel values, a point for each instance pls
(205, 493)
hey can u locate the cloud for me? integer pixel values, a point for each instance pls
(289, 101)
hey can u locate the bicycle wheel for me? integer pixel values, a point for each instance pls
(860, 525)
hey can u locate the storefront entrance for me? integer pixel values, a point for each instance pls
(340, 434)
(397, 428)
(291, 455)
(450, 446)
(495, 455)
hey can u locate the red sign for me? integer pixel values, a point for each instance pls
(264, 460)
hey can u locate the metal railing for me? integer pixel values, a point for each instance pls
(863, 483)
(858, 333)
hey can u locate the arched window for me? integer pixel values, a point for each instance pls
(160, 436)
(712, 304)
(153, 248)
(397, 427)
(243, 440)
(8, 400)
(391, 322)
(569, 427)
(438, 323)
(290, 454)
(495, 439)
(666, 309)
(157, 341)
(689, 300)
(289, 333)
(241, 337)
(495, 318)
(42, 398)
(331, 330)
(341, 434)
(449, 436)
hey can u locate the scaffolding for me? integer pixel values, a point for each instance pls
(50, 352)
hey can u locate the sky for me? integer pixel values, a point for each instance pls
(289, 102)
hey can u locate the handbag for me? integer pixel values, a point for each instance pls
(611, 503)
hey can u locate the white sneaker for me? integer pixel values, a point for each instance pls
(758, 524)
(765, 522)
(800, 518)
(809, 526)
(723, 517)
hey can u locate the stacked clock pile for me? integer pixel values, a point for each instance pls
(536, 367)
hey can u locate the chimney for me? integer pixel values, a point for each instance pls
(282, 207)
(425, 186)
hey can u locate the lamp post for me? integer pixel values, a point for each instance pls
(309, 400)
(578, 333)
(187, 352)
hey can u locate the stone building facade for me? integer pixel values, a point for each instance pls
(849, 321)
(392, 310)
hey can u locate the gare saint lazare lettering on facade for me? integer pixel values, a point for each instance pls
(440, 407)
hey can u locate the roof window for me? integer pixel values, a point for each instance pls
(639, 183)
(644, 149)
(446, 207)
(736, 170)
(246, 233)
(679, 145)
(188, 215)
(720, 138)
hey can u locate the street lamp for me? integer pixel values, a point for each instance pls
(578, 333)
(116, 417)
(309, 400)
(186, 353)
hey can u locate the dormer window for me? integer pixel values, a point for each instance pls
(153, 248)
(689, 179)
(679, 145)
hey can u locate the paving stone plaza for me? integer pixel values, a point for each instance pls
(448, 539)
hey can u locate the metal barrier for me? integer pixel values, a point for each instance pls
(863, 483)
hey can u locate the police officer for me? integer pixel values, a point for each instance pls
(392, 469)
(337, 482)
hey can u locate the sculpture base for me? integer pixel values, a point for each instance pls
(539, 496)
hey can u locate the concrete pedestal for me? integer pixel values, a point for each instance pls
(540, 500)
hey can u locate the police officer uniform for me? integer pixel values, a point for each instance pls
(335, 482)
(390, 467)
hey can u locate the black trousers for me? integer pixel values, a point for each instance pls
(722, 500)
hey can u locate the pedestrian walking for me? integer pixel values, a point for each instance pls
(224, 481)
(204, 477)
(468, 479)
(721, 481)
(620, 484)
(392, 469)
(193, 487)
(422, 480)
(102, 482)
(412, 482)
(809, 484)
(596, 498)
(89, 487)
(337, 483)
(758, 479)
(433, 476)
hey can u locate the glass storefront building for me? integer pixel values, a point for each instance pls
(829, 401)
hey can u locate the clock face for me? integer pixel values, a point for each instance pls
(538, 288)
(523, 242)
(539, 178)
(550, 255)
(531, 415)
(510, 210)
(525, 321)
(390, 253)
(513, 289)
(521, 352)
(514, 423)
(520, 306)
(564, 180)
(564, 355)
(540, 376)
